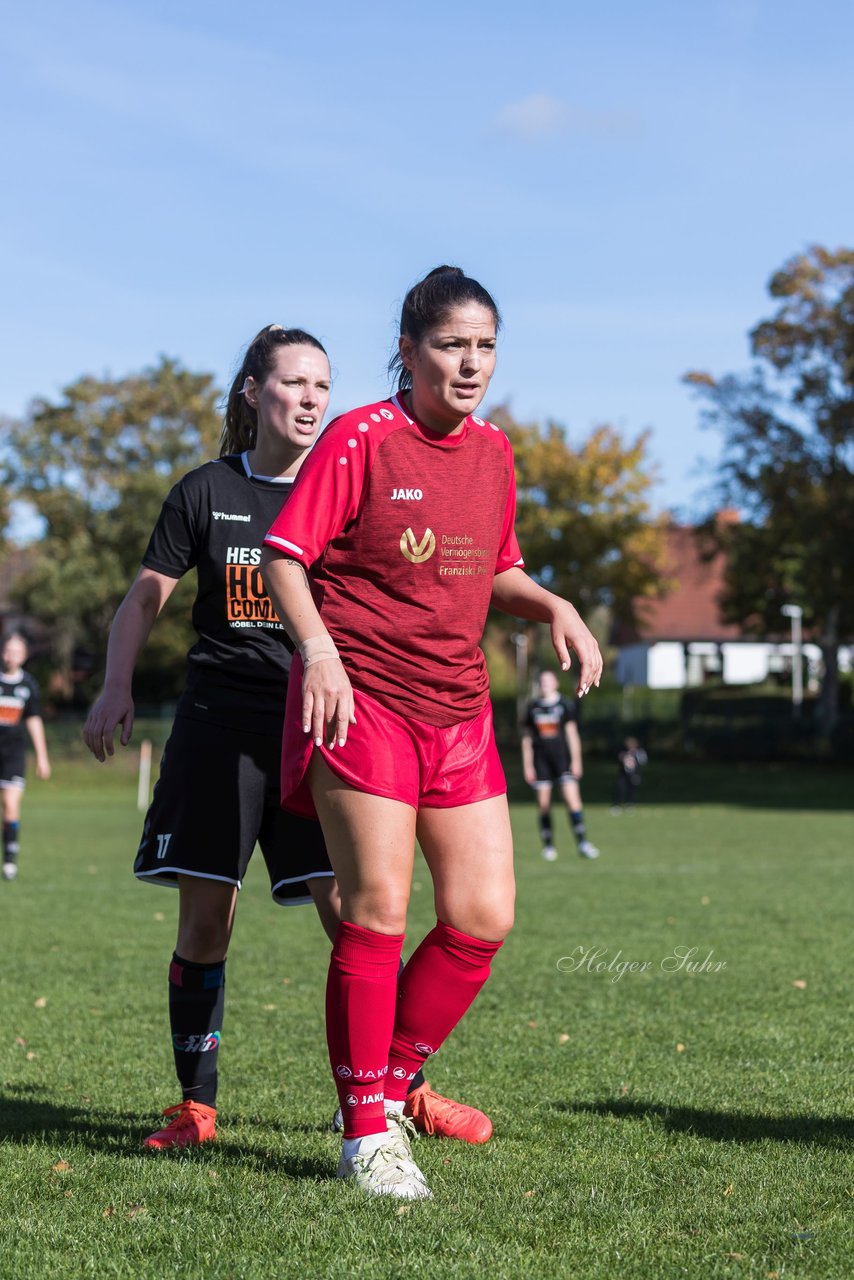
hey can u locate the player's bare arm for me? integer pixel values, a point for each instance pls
(573, 741)
(528, 759)
(516, 593)
(35, 728)
(327, 696)
(131, 628)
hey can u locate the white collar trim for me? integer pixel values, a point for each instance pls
(253, 475)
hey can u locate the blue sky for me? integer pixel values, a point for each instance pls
(624, 179)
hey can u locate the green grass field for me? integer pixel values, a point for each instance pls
(654, 1123)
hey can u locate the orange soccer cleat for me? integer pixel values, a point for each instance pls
(192, 1123)
(433, 1114)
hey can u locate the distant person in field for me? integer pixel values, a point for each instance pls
(218, 791)
(631, 759)
(551, 755)
(20, 714)
(383, 565)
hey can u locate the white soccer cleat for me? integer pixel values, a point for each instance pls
(588, 850)
(10, 870)
(401, 1132)
(386, 1172)
(549, 852)
(399, 1125)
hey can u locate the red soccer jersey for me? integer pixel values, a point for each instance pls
(402, 532)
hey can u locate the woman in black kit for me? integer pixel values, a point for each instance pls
(218, 787)
(218, 790)
(20, 714)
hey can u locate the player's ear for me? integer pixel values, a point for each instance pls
(250, 391)
(406, 348)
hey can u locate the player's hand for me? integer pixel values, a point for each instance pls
(529, 774)
(576, 770)
(111, 710)
(43, 770)
(327, 702)
(569, 633)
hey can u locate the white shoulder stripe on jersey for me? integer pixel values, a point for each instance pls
(397, 404)
(283, 542)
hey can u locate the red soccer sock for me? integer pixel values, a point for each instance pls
(435, 989)
(361, 993)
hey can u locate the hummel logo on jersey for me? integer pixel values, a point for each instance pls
(408, 495)
(229, 515)
(415, 551)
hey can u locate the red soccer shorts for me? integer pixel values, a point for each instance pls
(419, 764)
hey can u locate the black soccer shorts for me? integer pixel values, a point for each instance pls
(13, 764)
(552, 766)
(216, 797)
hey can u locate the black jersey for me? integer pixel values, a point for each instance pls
(214, 520)
(546, 722)
(19, 701)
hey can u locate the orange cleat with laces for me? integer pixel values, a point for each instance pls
(192, 1123)
(433, 1114)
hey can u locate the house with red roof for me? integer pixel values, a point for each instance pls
(680, 640)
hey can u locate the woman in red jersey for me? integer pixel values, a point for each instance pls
(398, 536)
(218, 790)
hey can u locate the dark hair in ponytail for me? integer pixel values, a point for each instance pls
(428, 303)
(240, 421)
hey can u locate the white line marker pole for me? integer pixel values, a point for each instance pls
(144, 788)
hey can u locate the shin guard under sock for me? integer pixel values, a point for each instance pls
(361, 994)
(438, 985)
(11, 837)
(196, 1004)
(576, 818)
(545, 824)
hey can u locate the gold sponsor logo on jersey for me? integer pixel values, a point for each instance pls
(415, 551)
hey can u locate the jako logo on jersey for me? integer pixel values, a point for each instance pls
(344, 1072)
(424, 1048)
(399, 1073)
(351, 1100)
(410, 495)
(230, 515)
(415, 551)
(196, 1044)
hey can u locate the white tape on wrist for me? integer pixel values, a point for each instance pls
(316, 648)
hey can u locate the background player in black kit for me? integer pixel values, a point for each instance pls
(218, 790)
(20, 714)
(631, 759)
(551, 753)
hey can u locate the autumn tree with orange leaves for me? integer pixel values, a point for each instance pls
(584, 516)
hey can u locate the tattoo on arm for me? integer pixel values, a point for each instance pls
(301, 568)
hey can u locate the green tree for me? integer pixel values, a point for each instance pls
(788, 460)
(96, 467)
(584, 518)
